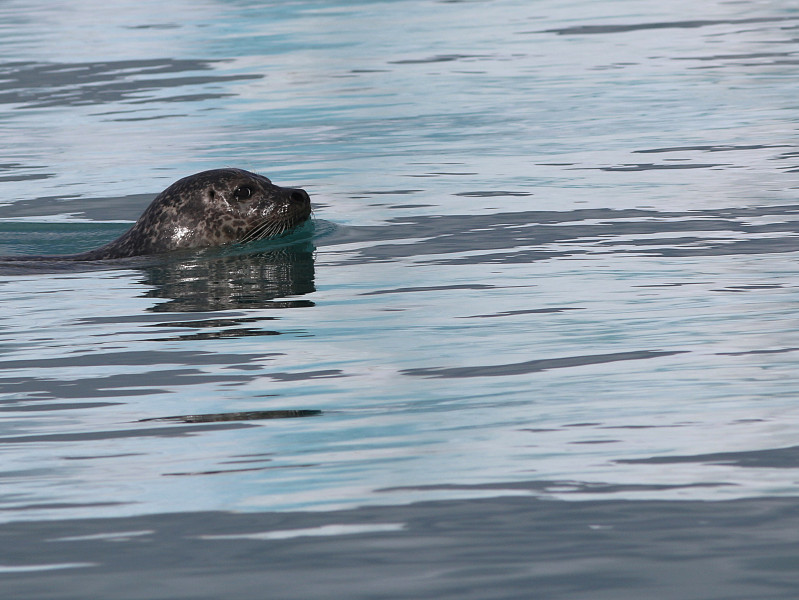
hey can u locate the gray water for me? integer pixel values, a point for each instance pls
(540, 341)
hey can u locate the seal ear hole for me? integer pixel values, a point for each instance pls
(212, 193)
(242, 193)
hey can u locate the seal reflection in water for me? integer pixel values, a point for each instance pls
(212, 208)
(275, 278)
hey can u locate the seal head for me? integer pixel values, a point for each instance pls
(211, 208)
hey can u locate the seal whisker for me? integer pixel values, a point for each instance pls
(267, 229)
(256, 233)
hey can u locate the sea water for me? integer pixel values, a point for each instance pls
(546, 309)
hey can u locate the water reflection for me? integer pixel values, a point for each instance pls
(238, 416)
(213, 280)
(39, 85)
(233, 281)
(530, 236)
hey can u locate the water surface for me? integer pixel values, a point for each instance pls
(546, 311)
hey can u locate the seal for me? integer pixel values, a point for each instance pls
(207, 209)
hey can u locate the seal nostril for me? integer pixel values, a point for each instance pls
(299, 196)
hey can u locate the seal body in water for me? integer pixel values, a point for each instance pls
(211, 208)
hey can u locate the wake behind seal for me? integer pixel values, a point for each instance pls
(207, 209)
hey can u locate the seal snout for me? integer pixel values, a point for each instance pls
(299, 196)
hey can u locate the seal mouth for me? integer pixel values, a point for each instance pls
(296, 211)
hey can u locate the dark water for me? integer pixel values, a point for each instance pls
(498, 548)
(540, 341)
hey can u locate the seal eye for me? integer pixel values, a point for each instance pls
(242, 193)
